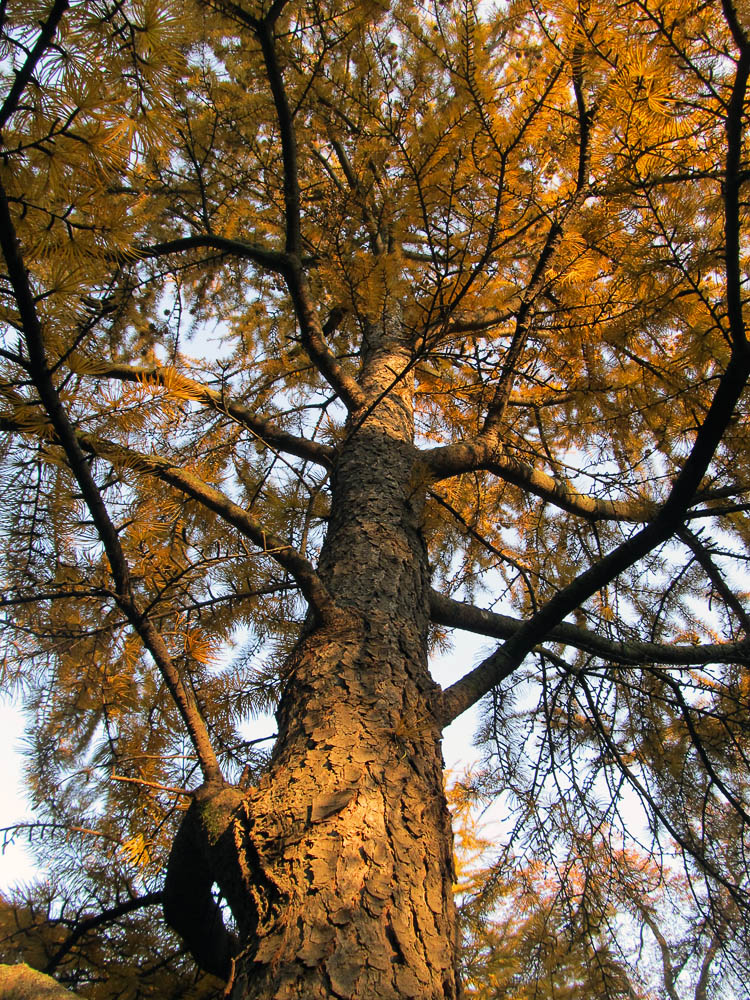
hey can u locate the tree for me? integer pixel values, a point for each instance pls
(476, 279)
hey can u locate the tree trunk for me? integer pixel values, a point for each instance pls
(340, 869)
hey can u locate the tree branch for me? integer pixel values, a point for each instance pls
(264, 34)
(713, 573)
(666, 958)
(263, 429)
(524, 315)
(79, 466)
(107, 916)
(713, 774)
(189, 905)
(684, 839)
(500, 664)
(456, 614)
(47, 33)
(702, 985)
(273, 260)
(213, 499)
(472, 456)
(670, 517)
(733, 180)
(312, 335)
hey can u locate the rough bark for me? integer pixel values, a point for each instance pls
(338, 867)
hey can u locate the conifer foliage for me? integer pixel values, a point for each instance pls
(329, 329)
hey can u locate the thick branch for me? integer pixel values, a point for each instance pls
(189, 905)
(290, 263)
(47, 33)
(377, 244)
(703, 979)
(666, 958)
(313, 338)
(733, 180)
(213, 499)
(473, 321)
(263, 429)
(264, 33)
(291, 268)
(470, 456)
(456, 614)
(270, 259)
(500, 664)
(80, 469)
(107, 916)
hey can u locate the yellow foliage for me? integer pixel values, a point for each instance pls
(521, 215)
(136, 851)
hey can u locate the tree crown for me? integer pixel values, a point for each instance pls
(236, 237)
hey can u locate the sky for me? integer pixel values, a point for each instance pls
(15, 863)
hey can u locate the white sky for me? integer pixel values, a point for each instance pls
(15, 862)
